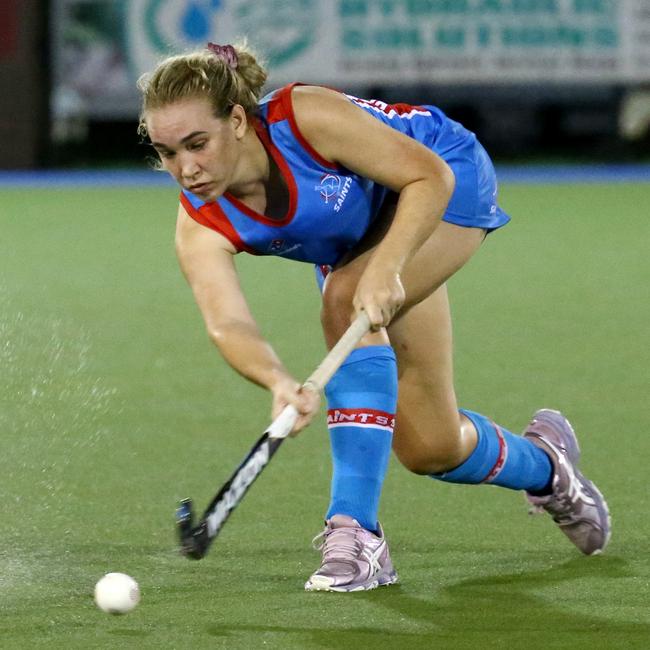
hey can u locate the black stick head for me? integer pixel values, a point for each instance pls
(192, 540)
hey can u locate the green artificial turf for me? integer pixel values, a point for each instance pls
(113, 406)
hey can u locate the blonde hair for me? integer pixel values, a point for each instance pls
(203, 74)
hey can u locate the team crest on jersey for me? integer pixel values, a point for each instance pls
(334, 190)
(329, 187)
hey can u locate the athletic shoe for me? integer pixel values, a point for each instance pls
(575, 503)
(354, 559)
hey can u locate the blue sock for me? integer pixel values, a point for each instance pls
(501, 458)
(362, 400)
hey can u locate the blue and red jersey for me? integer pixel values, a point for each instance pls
(330, 207)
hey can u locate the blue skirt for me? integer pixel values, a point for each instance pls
(474, 201)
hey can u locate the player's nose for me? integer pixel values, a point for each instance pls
(189, 168)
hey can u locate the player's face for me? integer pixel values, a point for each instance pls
(198, 149)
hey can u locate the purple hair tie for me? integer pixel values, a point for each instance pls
(226, 53)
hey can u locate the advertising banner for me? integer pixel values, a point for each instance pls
(356, 42)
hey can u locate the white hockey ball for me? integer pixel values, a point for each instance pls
(117, 593)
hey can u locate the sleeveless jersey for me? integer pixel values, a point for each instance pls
(330, 207)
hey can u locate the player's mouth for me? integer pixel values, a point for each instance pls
(200, 188)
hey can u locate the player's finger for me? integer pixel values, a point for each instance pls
(375, 316)
(301, 423)
(309, 394)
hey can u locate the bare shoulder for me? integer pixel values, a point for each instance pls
(326, 117)
(316, 106)
(316, 95)
(342, 132)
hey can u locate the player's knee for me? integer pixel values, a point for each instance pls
(440, 453)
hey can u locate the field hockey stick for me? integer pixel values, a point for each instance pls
(195, 540)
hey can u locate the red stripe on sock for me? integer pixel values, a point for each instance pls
(368, 417)
(501, 458)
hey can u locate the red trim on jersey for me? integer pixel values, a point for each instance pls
(277, 108)
(281, 108)
(501, 458)
(400, 108)
(360, 417)
(212, 216)
(290, 181)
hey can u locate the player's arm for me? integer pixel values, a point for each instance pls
(344, 133)
(207, 261)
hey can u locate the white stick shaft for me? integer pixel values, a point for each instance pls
(339, 353)
(282, 425)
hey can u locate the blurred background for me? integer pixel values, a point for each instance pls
(549, 80)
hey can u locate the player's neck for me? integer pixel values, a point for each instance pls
(253, 168)
(265, 190)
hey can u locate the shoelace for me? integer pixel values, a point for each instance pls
(560, 507)
(338, 543)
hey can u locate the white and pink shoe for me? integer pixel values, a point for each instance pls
(575, 503)
(354, 559)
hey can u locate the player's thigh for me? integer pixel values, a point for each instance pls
(445, 251)
(428, 435)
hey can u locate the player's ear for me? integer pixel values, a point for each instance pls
(239, 121)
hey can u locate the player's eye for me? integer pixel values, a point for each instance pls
(197, 146)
